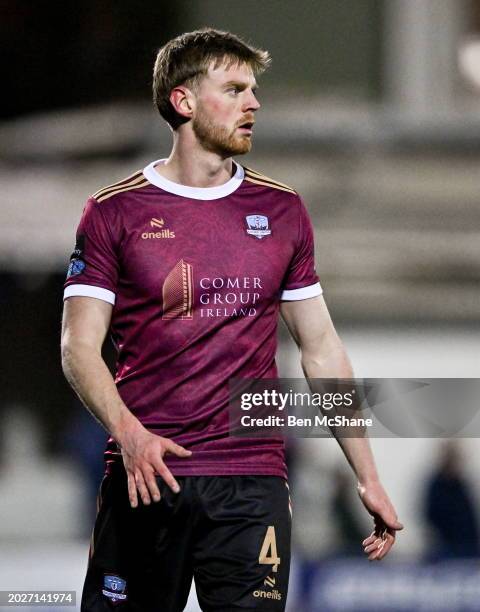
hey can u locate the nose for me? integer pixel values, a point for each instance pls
(251, 104)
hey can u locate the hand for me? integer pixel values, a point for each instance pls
(142, 454)
(382, 538)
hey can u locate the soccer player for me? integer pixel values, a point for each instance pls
(187, 264)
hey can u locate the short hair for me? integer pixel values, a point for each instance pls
(184, 59)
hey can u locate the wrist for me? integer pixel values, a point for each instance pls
(126, 428)
(369, 481)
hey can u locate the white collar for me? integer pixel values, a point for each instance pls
(197, 193)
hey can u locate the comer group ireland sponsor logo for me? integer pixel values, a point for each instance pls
(217, 296)
(231, 296)
(178, 292)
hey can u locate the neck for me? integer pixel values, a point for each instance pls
(191, 165)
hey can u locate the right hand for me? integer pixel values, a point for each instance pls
(386, 523)
(142, 454)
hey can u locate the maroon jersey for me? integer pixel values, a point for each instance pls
(195, 277)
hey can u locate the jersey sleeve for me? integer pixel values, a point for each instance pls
(93, 268)
(301, 281)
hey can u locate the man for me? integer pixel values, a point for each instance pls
(188, 263)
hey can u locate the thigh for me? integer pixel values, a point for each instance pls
(139, 558)
(242, 543)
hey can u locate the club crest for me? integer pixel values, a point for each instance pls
(114, 588)
(257, 225)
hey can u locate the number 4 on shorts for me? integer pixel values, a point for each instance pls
(268, 553)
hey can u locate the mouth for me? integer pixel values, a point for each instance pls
(247, 127)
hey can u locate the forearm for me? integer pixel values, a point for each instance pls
(85, 325)
(87, 373)
(359, 455)
(324, 357)
(330, 362)
(333, 362)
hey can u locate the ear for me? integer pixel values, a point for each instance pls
(182, 100)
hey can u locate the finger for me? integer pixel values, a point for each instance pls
(374, 555)
(132, 490)
(167, 476)
(378, 539)
(385, 547)
(385, 550)
(388, 545)
(152, 486)
(371, 538)
(142, 488)
(373, 546)
(176, 449)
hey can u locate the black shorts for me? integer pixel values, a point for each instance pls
(231, 533)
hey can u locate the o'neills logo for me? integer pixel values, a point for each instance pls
(232, 296)
(161, 233)
(268, 594)
(166, 233)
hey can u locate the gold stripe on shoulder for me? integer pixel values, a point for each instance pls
(105, 196)
(130, 180)
(262, 177)
(270, 182)
(273, 186)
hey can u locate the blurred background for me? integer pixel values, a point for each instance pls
(371, 110)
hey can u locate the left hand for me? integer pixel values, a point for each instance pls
(382, 538)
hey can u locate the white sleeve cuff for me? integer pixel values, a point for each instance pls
(89, 291)
(303, 293)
